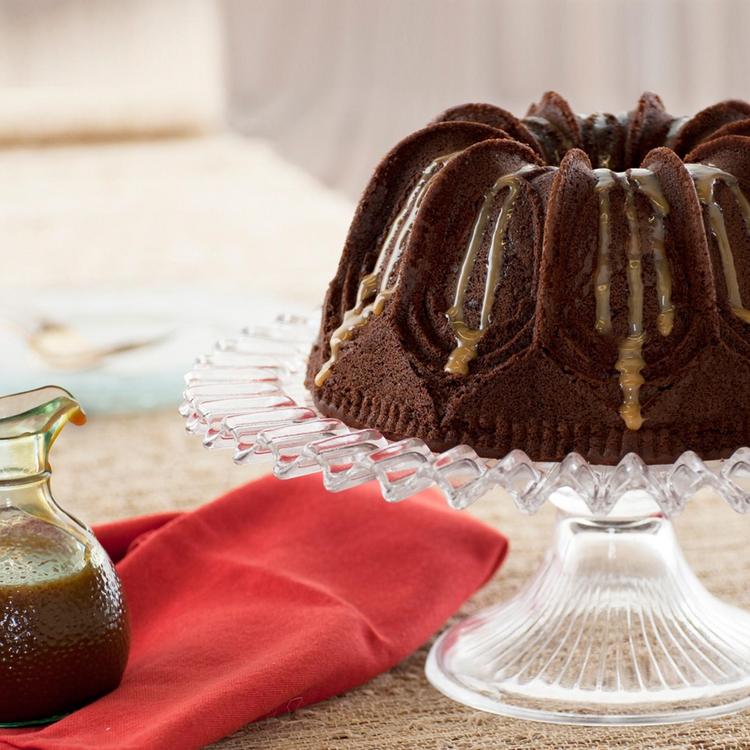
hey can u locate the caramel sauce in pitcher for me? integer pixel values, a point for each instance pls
(64, 629)
(64, 632)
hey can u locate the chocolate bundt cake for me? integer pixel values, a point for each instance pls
(555, 283)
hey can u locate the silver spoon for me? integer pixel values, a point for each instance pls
(62, 347)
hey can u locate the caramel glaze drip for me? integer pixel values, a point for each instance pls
(605, 181)
(705, 178)
(374, 290)
(467, 338)
(630, 361)
(648, 184)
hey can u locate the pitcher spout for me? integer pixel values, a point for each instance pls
(29, 424)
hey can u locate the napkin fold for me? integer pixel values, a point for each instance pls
(275, 596)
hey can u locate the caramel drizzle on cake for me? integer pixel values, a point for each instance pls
(705, 178)
(374, 289)
(630, 362)
(648, 184)
(467, 338)
(605, 181)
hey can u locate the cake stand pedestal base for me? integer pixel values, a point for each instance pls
(614, 629)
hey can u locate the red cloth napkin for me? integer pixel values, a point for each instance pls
(275, 596)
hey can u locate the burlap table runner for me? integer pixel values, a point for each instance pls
(123, 466)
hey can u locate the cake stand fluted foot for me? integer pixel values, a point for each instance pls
(614, 629)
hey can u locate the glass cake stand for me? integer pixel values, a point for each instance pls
(613, 629)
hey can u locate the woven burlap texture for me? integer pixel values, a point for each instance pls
(128, 465)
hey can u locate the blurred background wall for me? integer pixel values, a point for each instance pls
(77, 69)
(332, 84)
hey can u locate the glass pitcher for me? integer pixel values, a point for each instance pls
(64, 628)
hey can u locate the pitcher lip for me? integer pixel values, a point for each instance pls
(47, 415)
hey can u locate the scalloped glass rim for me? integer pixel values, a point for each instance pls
(248, 395)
